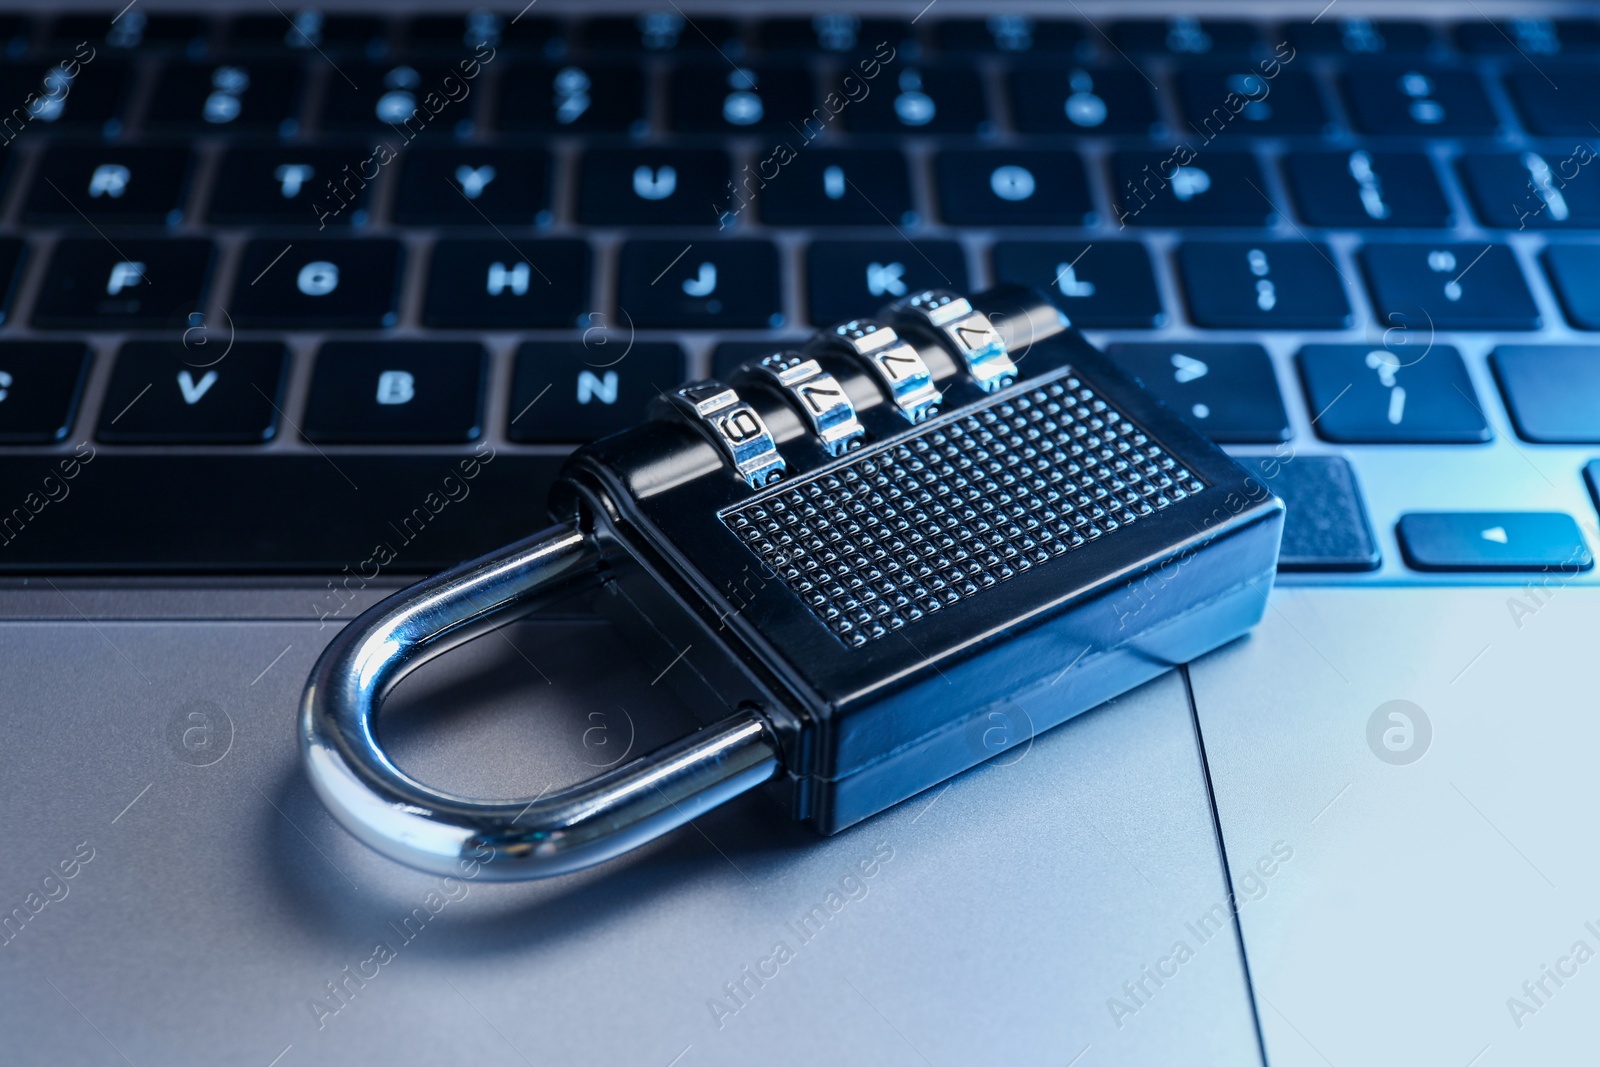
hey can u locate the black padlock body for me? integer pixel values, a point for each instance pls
(702, 562)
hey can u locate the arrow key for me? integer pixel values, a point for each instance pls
(1493, 541)
(196, 393)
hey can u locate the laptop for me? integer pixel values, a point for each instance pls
(301, 306)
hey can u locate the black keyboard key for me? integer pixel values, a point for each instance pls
(705, 285)
(1359, 394)
(1425, 100)
(310, 32)
(565, 392)
(1450, 286)
(846, 279)
(1325, 524)
(586, 97)
(41, 382)
(404, 99)
(507, 284)
(1530, 38)
(1182, 188)
(107, 185)
(653, 187)
(83, 93)
(13, 253)
(1534, 190)
(1008, 35)
(833, 187)
(473, 187)
(137, 283)
(301, 186)
(1082, 100)
(283, 513)
(1360, 37)
(1575, 276)
(1186, 36)
(1493, 541)
(1013, 187)
(16, 34)
(330, 284)
(257, 96)
(1243, 100)
(1362, 189)
(478, 31)
(1551, 391)
(131, 30)
(1263, 285)
(1103, 285)
(661, 31)
(396, 391)
(916, 99)
(164, 391)
(1558, 100)
(1227, 390)
(714, 98)
(836, 32)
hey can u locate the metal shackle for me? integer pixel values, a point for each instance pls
(437, 832)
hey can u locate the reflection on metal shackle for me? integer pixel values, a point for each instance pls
(533, 838)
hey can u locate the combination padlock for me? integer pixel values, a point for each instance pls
(869, 545)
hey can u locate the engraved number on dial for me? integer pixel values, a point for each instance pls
(740, 426)
(818, 397)
(976, 337)
(899, 367)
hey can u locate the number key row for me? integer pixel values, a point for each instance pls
(878, 90)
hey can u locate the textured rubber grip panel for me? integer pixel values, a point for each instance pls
(896, 532)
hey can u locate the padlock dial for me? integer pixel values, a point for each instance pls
(816, 394)
(736, 427)
(897, 365)
(966, 331)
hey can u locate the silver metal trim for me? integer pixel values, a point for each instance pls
(511, 840)
(969, 333)
(818, 395)
(736, 427)
(897, 365)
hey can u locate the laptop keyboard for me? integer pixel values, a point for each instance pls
(273, 283)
